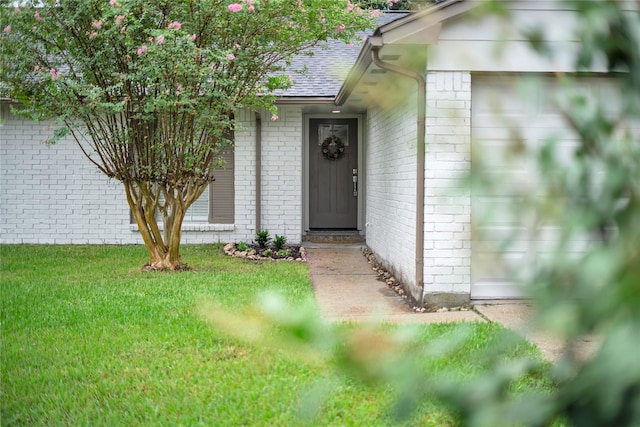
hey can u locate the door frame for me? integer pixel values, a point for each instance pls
(305, 166)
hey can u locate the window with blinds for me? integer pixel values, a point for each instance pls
(199, 210)
(216, 205)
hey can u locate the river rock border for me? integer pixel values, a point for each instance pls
(385, 276)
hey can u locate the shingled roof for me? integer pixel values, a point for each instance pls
(328, 67)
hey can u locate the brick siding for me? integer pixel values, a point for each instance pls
(282, 142)
(390, 186)
(447, 203)
(53, 194)
(390, 199)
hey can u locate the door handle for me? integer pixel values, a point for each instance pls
(355, 182)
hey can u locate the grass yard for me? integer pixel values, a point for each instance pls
(88, 338)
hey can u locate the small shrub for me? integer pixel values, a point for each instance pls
(283, 253)
(279, 242)
(262, 238)
(242, 246)
(267, 252)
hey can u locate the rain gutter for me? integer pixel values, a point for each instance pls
(297, 100)
(376, 44)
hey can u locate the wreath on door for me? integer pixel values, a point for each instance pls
(332, 148)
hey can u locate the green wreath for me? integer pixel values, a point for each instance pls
(332, 148)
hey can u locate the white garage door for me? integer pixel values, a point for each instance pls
(505, 110)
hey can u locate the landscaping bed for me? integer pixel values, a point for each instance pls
(255, 252)
(266, 248)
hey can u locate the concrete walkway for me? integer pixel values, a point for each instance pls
(347, 289)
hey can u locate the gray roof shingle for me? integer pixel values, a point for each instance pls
(328, 67)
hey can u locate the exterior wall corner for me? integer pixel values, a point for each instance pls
(447, 253)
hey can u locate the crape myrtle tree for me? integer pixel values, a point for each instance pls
(148, 88)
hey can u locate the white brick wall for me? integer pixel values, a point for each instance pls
(53, 194)
(447, 267)
(390, 190)
(282, 142)
(391, 162)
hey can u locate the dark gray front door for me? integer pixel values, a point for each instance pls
(333, 199)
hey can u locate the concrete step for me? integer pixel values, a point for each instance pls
(334, 236)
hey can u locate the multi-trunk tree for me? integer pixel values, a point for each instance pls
(149, 88)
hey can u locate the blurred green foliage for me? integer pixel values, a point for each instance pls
(592, 196)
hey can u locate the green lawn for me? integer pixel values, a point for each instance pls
(88, 338)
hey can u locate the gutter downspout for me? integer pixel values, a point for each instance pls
(376, 45)
(258, 131)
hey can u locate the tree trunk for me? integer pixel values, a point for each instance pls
(163, 248)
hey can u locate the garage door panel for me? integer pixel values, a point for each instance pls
(497, 109)
(494, 211)
(487, 267)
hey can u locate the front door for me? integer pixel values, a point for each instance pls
(333, 172)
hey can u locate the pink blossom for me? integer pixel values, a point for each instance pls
(251, 8)
(96, 24)
(119, 19)
(175, 25)
(36, 68)
(238, 46)
(113, 3)
(340, 28)
(160, 39)
(37, 16)
(178, 89)
(274, 118)
(234, 7)
(193, 37)
(375, 13)
(7, 29)
(142, 49)
(350, 6)
(54, 74)
(231, 56)
(93, 35)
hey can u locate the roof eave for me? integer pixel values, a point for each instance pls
(355, 74)
(419, 28)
